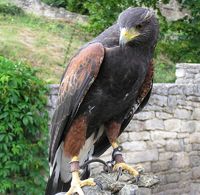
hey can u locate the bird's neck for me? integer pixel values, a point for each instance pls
(137, 48)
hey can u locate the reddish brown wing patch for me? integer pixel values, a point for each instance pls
(75, 138)
(86, 62)
(79, 76)
(113, 131)
(147, 84)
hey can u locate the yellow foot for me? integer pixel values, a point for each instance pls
(76, 184)
(126, 167)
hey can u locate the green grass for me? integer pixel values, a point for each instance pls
(164, 70)
(4, 1)
(39, 42)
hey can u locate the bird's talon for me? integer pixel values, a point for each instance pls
(87, 182)
(99, 184)
(127, 168)
(119, 173)
(77, 187)
(137, 178)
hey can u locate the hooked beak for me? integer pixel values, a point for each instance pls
(127, 35)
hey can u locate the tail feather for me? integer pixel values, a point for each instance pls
(53, 188)
(60, 176)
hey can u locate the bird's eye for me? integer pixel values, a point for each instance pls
(139, 26)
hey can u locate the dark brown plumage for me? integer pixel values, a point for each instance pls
(105, 83)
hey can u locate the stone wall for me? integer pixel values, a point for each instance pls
(41, 9)
(165, 137)
(187, 75)
(173, 10)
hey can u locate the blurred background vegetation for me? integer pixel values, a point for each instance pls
(48, 45)
(34, 51)
(179, 40)
(44, 44)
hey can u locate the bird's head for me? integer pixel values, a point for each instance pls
(138, 25)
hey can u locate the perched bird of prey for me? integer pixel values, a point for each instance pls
(103, 83)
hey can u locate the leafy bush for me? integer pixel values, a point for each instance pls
(180, 39)
(11, 9)
(23, 130)
(102, 14)
(77, 6)
(71, 5)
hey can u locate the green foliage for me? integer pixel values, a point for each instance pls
(164, 71)
(10, 9)
(103, 13)
(181, 39)
(23, 130)
(71, 5)
(77, 6)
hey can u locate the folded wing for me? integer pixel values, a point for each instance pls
(78, 77)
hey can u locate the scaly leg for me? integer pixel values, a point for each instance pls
(73, 142)
(113, 130)
(76, 183)
(119, 161)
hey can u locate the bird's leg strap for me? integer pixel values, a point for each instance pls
(76, 183)
(74, 164)
(117, 155)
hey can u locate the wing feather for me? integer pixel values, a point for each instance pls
(78, 77)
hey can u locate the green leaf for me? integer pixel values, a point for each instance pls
(24, 121)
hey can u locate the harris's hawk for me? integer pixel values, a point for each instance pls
(105, 83)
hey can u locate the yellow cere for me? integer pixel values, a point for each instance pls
(129, 34)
